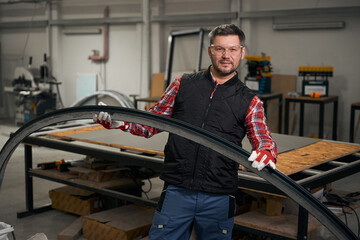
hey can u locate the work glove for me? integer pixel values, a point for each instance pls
(261, 158)
(104, 118)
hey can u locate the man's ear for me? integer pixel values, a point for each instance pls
(243, 52)
(209, 51)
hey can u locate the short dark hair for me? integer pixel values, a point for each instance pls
(227, 29)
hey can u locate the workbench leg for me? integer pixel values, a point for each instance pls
(301, 129)
(321, 121)
(29, 188)
(303, 219)
(352, 124)
(265, 106)
(29, 197)
(335, 117)
(280, 114)
(286, 127)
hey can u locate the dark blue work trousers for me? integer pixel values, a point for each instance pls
(180, 210)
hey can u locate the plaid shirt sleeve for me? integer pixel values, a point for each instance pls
(165, 107)
(258, 132)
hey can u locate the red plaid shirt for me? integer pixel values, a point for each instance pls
(257, 131)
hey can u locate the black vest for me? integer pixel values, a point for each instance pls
(191, 165)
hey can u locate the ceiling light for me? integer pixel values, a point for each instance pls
(305, 26)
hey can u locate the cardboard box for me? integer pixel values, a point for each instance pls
(110, 174)
(274, 206)
(125, 223)
(157, 84)
(74, 200)
(100, 175)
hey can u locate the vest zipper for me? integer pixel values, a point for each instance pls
(208, 107)
(202, 126)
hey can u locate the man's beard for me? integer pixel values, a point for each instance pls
(224, 73)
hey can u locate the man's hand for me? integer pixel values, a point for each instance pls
(104, 118)
(262, 158)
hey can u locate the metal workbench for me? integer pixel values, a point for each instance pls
(309, 178)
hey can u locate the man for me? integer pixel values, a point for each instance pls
(200, 183)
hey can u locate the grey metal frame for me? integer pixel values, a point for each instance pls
(122, 99)
(236, 153)
(170, 53)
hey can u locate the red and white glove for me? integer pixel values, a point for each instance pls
(262, 158)
(104, 118)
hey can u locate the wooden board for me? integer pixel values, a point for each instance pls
(106, 137)
(313, 155)
(76, 131)
(284, 225)
(108, 184)
(157, 84)
(55, 173)
(101, 133)
(157, 87)
(74, 178)
(356, 104)
(280, 84)
(124, 147)
(289, 162)
(72, 232)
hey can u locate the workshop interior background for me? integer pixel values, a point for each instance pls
(138, 44)
(73, 48)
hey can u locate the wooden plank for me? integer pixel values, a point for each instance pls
(72, 232)
(97, 134)
(313, 155)
(157, 84)
(74, 178)
(280, 84)
(156, 89)
(108, 184)
(284, 225)
(356, 104)
(114, 145)
(320, 99)
(101, 175)
(55, 174)
(288, 162)
(76, 131)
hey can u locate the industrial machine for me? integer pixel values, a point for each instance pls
(258, 78)
(315, 80)
(33, 89)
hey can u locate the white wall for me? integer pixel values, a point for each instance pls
(289, 49)
(123, 70)
(126, 69)
(120, 73)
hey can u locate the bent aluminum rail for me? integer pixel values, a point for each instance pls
(234, 152)
(121, 98)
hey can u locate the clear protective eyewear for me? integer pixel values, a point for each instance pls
(219, 50)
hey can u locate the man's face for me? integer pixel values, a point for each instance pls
(226, 54)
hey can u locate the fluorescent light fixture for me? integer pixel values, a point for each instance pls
(305, 26)
(82, 31)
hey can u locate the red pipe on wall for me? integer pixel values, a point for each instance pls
(95, 57)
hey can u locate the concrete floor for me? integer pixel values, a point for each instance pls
(51, 223)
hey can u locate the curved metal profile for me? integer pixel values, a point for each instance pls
(122, 99)
(236, 153)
